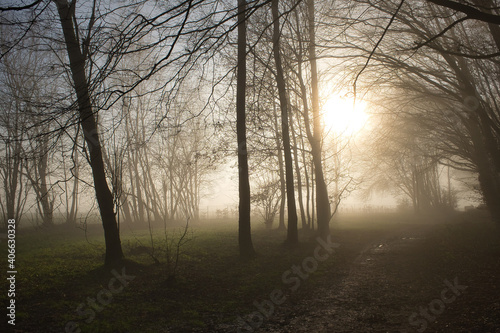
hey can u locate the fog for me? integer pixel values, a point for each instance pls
(250, 166)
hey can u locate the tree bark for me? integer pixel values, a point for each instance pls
(244, 230)
(281, 225)
(322, 201)
(306, 177)
(71, 204)
(488, 180)
(292, 234)
(89, 126)
(299, 178)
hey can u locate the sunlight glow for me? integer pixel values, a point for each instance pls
(341, 118)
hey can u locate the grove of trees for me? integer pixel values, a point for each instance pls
(129, 107)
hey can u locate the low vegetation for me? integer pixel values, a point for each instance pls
(61, 267)
(60, 272)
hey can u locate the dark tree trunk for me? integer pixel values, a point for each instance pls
(292, 235)
(484, 136)
(322, 201)
(72, 206)
(89, 126)
(490, 187)
(488, 175)
(281, 225)
(308, 189)
(313, 207)
(43, 193)
(299, 178)
(244, 231)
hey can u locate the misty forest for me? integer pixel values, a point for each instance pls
(250, 166)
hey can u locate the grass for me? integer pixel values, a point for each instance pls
(60, 268)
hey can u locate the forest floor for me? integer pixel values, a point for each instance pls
(434, 276)
(382, 273)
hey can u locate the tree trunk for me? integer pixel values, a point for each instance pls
(313, 207)
(308, 189)
(89, 126)
(292, 234)
(44, 195)
(322, 201)
(244, 230)
(489, 177)
(71, 200)
(299, 178)
(281, 225)
(482, 129)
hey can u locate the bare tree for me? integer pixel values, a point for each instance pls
(71, 192)
(322, 200)
(450, 86)
(38, 172)
(292, 234)
(77, 59)
(267, 197)
(14, 182)
(244, 236)
(14, 119)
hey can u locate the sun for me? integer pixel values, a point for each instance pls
(342, 117)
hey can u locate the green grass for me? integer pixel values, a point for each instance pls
(59, 269)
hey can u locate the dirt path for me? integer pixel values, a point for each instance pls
(356, 299)
(395, 281)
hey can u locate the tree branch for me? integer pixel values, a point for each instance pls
(28, 6)
(440, 34)
(375, 47)
(470, 11)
